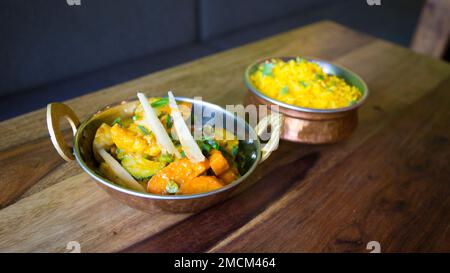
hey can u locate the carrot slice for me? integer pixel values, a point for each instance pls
(218, 162)
(229, 176)
(200, 184)
(179, 171)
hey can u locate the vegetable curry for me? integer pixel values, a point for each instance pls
(140, 153)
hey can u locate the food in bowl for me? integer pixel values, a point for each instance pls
(140, 152)
(303, 83)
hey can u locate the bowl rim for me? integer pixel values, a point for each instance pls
(320, 62)
(116, 187)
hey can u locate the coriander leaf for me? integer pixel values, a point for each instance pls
(117, 121)
(267, 69)
(143, 130)
(304, 84)
(206, 147)
(161, 102)
(284, 90)
(213, 144)
(234, 150)
(300, 60)
(169, 122)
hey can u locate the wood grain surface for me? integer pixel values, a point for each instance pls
(389, 182)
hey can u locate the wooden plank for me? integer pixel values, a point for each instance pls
(75, 210)
(200, 230)
(394, 189)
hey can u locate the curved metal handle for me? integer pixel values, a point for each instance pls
(56, 111)
(275, 121)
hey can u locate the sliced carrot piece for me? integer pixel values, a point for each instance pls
(179, 171)
(218, 162)
(229, 176)
(200, 184)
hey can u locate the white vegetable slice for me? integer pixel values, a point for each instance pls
(120, 172)
(188, 143)
(152, 121)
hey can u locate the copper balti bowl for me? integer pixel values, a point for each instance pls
(84, 134)
(308, 125)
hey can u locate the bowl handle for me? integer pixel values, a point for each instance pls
(56, 111)
(275, 120)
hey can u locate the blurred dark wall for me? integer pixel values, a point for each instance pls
(51, 51)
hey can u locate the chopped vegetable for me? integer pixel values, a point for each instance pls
(120, 172)
(200, 184)
(230, 175)
(188, 143)
(218, 162)
(172, 187)
(205, 147)
(166, 158)
(131, 142)
(212, 143)
(234, 150)
(141, 168)
(157, 128)
(179, 171)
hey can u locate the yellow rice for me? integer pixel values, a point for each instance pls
(303, 83)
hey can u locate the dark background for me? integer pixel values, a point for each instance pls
(50, 51)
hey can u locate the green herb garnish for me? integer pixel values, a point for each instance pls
(135, 117)
(117, 121)
(166, 158)
(304, 84)
(143, 130)
(206, 148)
(299, 59)
(171, 187)
(169, 121)
(267, 69)
(183, 154)
(213, 144)
(284, 90)
(320, 77)
(235, 150)
(161, 102)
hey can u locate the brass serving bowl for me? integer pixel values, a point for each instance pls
(309, 125)
(84, 134)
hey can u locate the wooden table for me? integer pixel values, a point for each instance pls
(390, 182)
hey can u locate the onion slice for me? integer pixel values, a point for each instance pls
(152, 121)
(120, 172)
(188, 143)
